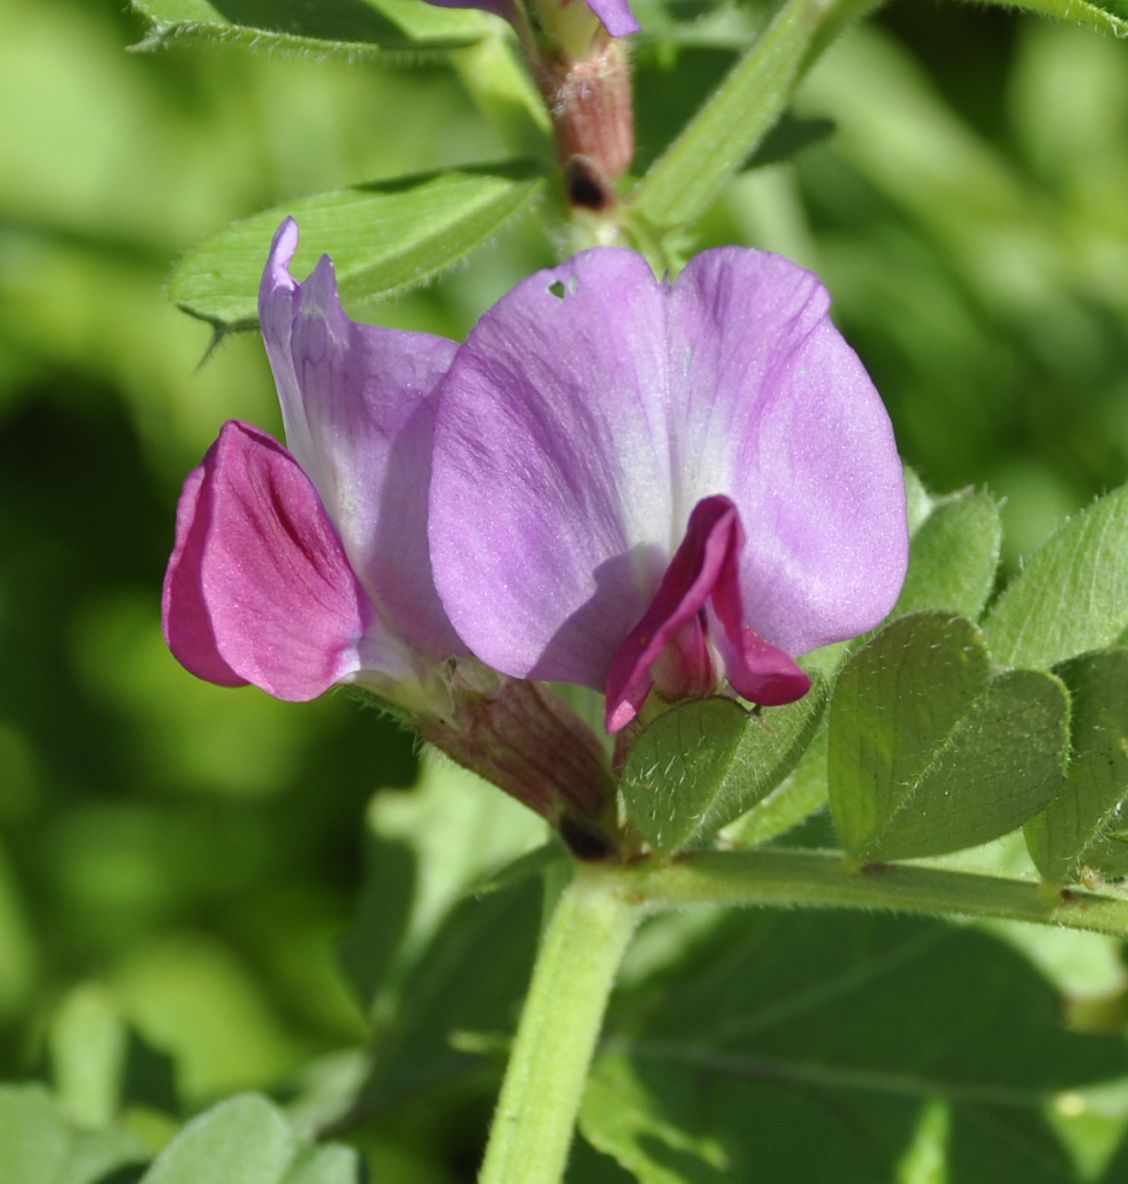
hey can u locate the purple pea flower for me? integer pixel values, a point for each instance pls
(644, 487)
(296, 570)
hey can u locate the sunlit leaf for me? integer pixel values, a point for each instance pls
(1111, 16)
(40, 1143)
(725, 131)
(395, 29)
(1083, 830)
(798, 796)
(1072, 596)
(248, 1139)
(930, 751)
(954, 556)
(385, 238)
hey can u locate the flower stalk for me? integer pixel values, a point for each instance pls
(584, 941)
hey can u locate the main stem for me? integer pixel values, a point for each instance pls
(580, 952)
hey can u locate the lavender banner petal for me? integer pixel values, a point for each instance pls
(773, 408)
(590, 411)
(551, 499)
(358, 408)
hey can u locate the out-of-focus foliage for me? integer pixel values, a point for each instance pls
(179, 864)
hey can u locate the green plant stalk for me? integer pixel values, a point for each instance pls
(822, 879)
(715, 143)
(584, 941)
(579, 955)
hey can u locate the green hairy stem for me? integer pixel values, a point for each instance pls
(591, 926)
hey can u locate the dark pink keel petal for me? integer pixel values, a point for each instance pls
(258, 588)
(669, 646)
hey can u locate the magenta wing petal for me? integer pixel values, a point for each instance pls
(184, 611)
(258, 588)
(550, 499)
(358, 406)
(703, 572)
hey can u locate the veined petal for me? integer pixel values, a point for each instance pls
(703, 572)
(577, 431)
(358, 406)
(772, 407)
(550, 496)
(259, 588)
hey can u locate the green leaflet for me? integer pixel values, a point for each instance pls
(1111, 16)
(248, 1139)
(932, 752)
(620, 1118)
(704, 763)
(954, 557)
(39, 1143)
(400, 30)
(1072, 596)
(386, 237)
(99, 1065)
(918, 500)
(1083, 828)
(799, 795)
(720, 137)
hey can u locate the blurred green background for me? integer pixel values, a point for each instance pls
(196, 851)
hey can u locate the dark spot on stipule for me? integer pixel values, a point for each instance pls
(585, 184)
(587, 842)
